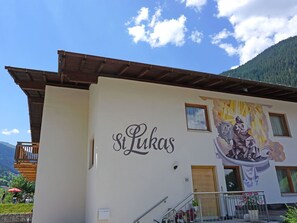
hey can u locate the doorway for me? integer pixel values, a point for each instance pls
(204, 180)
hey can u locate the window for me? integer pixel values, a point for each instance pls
(232, 177)
(279, 124)
(287, 179)
(197, 118)
(91, 154)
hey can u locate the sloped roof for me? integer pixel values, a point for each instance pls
(80, 70)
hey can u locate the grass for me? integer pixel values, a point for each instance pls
(15, 208)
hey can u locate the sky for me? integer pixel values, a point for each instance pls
(203, 35)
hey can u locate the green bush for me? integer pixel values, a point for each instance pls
(20, 182)
(291, 215)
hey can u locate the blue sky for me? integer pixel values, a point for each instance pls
(202, 35)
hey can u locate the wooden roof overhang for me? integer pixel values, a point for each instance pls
(33, 83)
(80, 70)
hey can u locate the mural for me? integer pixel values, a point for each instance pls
(243, 138)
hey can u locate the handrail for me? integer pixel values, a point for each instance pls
(230, 192)
(179, 203)
(225, 195)
(149, 210)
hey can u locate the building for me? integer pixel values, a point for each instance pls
(115, 137)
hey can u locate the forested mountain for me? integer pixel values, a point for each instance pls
(6, 163)
(277, 65)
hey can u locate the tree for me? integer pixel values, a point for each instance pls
(20, 182)
(28, 188)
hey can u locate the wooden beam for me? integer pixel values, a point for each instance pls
(63, 62)
(36, 100)
(143, 72)
(164, 75)
(286, 93)
(259, 90)
(29, 75)
(86, 79)
(266, 92)
(82, 63)
(100, 68)
(35, 126)
(44, 77)
(124, 69)
(231, 85)
(215, 83)
(14, 76)
(80, 77)
(180, 79)
(198, 81)
(24, 165)
(38, 86)
(27, 171)
(294, 95)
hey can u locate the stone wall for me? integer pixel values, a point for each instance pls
(16, 218)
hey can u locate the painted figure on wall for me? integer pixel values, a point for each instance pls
(243, 138)
(244, 146)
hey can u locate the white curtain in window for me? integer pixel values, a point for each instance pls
(277, 126)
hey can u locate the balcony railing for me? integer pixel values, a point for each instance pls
(26, 152)
(219, 207)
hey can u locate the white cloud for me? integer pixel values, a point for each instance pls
(142, 15)
(138, 33)
(230, 50)
(196, 36)
(234, 67)
(196, 4)
(257, 24)
(9, 132)
(168, 31)
(155, 18)
(217, 38)
(29, 131)
(155, 31)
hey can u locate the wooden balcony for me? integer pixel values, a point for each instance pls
(26, 159)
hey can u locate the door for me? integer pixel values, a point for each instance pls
(232, 178)
(204, 180)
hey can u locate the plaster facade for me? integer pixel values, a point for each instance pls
(61, 174)
(129, 184)
(130, 175)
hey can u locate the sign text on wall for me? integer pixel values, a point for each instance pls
(136, 140)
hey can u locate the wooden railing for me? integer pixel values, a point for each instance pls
(26, 152)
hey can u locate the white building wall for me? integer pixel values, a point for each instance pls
(129, 185)
(61, 174)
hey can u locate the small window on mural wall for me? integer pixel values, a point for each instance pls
(279, 124)
(287, 179)
(197, 117)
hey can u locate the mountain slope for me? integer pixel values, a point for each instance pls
(7, 157)
(6, 163)
(277, 65)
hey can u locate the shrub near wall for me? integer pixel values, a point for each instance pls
(291, 215)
